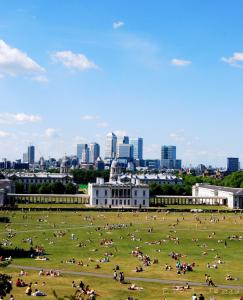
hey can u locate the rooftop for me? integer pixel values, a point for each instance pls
(235, 191)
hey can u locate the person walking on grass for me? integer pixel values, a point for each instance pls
(210, 282)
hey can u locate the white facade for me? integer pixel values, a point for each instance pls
(116, 194)
(233, 197)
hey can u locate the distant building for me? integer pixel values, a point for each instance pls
(80, 148)
(99, 164)
(152, 164)
(125, 151)
(38, 178)
(31, 154)
(25, 157)
(152, 178)
(233, 164)
(85, 155)
(232, 197)
(65, 165)
(110, 146)
(117, 194)
(168, 158)
(94, 152)
(137, 144)
(5, 164)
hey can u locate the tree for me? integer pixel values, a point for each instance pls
(19, 188)
(5, 286)
(57, 188)
(70, 188)
(45, 188)
(32, 189)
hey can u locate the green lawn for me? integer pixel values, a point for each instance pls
(134, 233)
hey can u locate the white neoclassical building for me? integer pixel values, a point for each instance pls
(117, 194)
(232, 197)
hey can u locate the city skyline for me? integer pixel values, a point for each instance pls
(97, 68)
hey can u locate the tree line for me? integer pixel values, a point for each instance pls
(47, 188)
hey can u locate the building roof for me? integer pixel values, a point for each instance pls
(160, 176)
(235, 191)
(39, 175)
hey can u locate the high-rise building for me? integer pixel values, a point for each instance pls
(168, 158)
(85, 155)
(125, 151)
(110, 146)
(233, 164)
(137, 144)
(80, 148)
(25, 157)
(94, 152)
(122, 139)
(31, 154)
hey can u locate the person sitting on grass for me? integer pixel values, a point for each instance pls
(133, 287)
(38, 293)
(28, 290)
(229, 277)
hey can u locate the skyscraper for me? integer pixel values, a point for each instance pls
(80, 148)
(168, 158)
(94, 152)
(31, 154)
(85, 155)
(233, 164)
(110, 146)
(137, 144)
(125, 151)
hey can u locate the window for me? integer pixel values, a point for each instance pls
(120, 202)
(135, 202)
(97, 201)
(105, 192)
(97, 192)
(125, 202)
(144, 202)
(128, 202)
(144, 193)
(105, 201)
(135, 193)
(112, 202)
(116, 202)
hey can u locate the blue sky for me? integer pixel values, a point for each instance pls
(168, 71)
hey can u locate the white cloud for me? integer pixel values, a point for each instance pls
(178, 136)
(89, 118)
(102, 124)
(180, 62)
(15, 62)
(52, 133)
(40, 78)
(73, 60)
(7, 118)
(118, 24)
(120, 132)
(4, 134)
(236, 60)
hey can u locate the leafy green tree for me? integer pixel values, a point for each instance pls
(57, 188)
(45, 188)
(32, 189)
(19, 188)
(70, 188)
